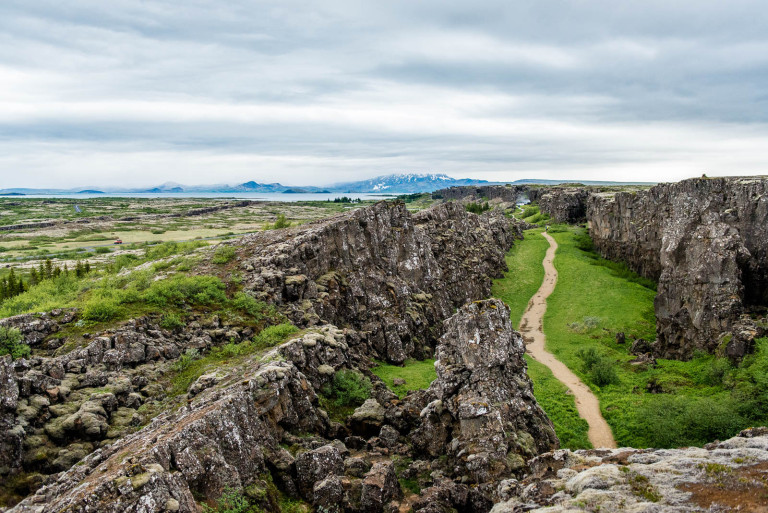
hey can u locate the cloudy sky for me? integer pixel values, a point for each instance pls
(307, 92)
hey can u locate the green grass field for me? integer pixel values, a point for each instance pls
(525, 274)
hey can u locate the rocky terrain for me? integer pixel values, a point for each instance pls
(390, 274)
(706, 242)
(389, 277)
(505, 193)
(475, 426)
(564, 204)
(93, 422)
(723, 476)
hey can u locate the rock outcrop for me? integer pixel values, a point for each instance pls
(705, 241)
(505, 193)
(723, 476)
(563, 203)
(234, 431)
(387, 273)
(481, 411)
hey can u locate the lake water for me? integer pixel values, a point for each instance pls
(273, 196)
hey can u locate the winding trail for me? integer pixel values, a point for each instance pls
(531, 327)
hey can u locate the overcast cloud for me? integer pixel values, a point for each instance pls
(202, 91)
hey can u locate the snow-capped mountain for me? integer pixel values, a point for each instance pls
(405, 183)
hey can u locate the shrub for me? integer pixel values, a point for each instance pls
(273, 335)
(604, 373)
(349, 388)
(601, 369)
(185, 360)
(679, 421)
(529, 210)
(172, 321)
(12, 343)
(231, 501)
(102, 250)
(101, 308)
(477, 208)
(584, 242)
(256, 309)
(180, 290)
(223, 254)
(280, 222)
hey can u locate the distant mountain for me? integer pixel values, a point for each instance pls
(386, 184)
(405, 183)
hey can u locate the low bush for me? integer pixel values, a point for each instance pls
(477, 208)
(172, 321)
(273, 335)
(231, 501)
(600, 368)
(680, 421)
(258, 310)
(280, 222)
(185, 360)
(12, 343)
(102, 309)
(180, 290)
(528, 211)
(348, 389)
(223, 255)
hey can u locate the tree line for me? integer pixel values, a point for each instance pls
(13, 285)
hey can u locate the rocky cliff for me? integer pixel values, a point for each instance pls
(381, 270)
(706, 242)
(505, 193)
(234, 430)
(563, 203)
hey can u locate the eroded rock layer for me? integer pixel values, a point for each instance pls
(389, 274)
(388, 277)
(705, 241)
(235, 428)
(505, 193)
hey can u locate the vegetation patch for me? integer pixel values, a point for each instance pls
(348, 390)
(414, 374)
(559, 405)
(12, 343)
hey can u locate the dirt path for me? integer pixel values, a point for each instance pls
(531, 328)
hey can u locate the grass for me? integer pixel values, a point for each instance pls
(559, 407)
(418, 375)
(590, 304)
(525, 274)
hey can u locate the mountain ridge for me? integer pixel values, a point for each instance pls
(402, 183)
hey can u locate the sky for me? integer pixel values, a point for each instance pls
(135, 93)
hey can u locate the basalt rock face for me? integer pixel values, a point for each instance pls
(387, 273)
(563, 204)
(61, 404)
(482, 412)
(505, 193)
(228, 435)
(235, 429)
(705, 241)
